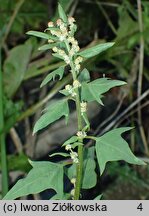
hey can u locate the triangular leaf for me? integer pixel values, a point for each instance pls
(53, 113)
(38, 34)
(95, 50)
(52, 75)
(43, 175)
(62, 13)
(94, 90)
(112, 147)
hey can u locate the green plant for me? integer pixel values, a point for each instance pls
(80, 163)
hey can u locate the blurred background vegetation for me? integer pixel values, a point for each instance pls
(23, 68)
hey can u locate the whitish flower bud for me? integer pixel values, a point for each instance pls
(78, 60)
(70, 90)
(81, 134)
(62, 27)
(55, 49)
(76, 84)
(68, 87)
(65, 33)
(56, 33)
(73, 155)
(72, 192)
(71, 52)
(83, 107)
(73, 181)
(66, 59)
(71, 20)
(50, 41)
(76, 160)
(75, 43)
(74, 94)
(76, 48)
(77, 67)
(61, 52)
(59, 22)
(71, 39)
(50, 24)
(61, 37)
(68, 147)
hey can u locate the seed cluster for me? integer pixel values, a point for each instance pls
(64, 32)
(73, 155)
(83, 107)
(81, 134)
(71, 88)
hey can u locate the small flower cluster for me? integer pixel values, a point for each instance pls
(74, 46)
(72, 192)
(77, 62)
(76, 84)
(73, 155)
(71, 22)
(81, 134)
(73, 181)
(83, 107)
(71, 89)
(62, 53)
(64, 32)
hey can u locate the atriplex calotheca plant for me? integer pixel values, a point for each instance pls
(108, 147)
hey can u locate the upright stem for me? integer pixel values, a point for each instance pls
(2, 141)
(80, 147)
(80, 151)
(80, 127)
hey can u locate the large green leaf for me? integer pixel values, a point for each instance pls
(93, 90)
(15, 67)
(52, 75)
(95, 50)
(43, 175)
(112, 147)
(53, 113)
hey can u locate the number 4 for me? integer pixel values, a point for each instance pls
(140, 207)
